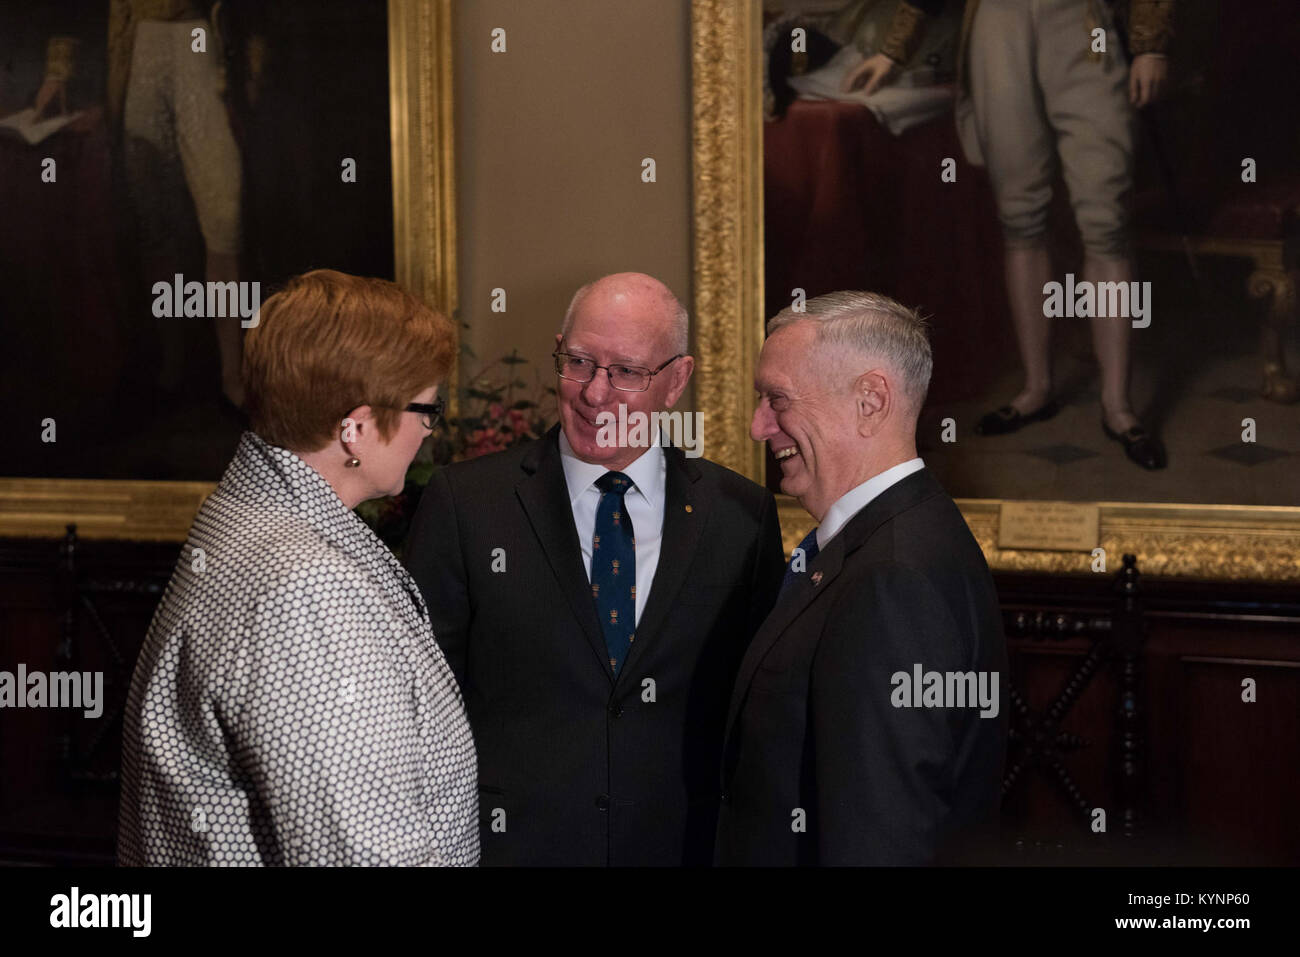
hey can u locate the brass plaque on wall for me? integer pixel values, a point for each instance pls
(1057, 526)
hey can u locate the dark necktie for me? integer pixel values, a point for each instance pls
(613, 567)
(809, 547)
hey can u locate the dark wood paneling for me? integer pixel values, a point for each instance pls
(1217, 776)
(58, 801)
(1219, 779)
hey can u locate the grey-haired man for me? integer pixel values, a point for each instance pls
(867, 725)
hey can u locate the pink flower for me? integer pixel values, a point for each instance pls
(484, 442)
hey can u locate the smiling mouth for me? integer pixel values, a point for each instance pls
(786, 453)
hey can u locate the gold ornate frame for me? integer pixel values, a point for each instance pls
(424, 227)
(1205, 542)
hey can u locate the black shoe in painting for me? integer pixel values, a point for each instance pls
(1010, 419)
(1139, 445)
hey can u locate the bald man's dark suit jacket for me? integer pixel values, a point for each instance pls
(575, 767)
(819, 766)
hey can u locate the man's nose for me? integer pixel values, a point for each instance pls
(597, 391)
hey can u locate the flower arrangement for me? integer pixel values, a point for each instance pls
(497, 409)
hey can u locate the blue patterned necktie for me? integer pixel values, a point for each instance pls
(613, 567)
(809, 547)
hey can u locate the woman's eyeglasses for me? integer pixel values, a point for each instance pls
(430, 412)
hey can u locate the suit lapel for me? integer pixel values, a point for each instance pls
(899, 497)
(544, 495)
(685, 515)
(826, 566)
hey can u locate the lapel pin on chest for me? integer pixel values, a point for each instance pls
(816, 578)
(689, 509)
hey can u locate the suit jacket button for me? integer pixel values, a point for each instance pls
(616, 711)
(725, 797)
(602, 802)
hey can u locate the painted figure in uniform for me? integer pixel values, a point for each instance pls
(165, 98)
(1032, 91)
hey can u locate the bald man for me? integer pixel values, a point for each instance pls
(868, 723)
(594, 592)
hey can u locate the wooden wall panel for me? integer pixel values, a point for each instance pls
(1220, 779)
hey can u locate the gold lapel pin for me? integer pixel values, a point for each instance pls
(689, 509)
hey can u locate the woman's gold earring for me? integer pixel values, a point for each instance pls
(353, 462)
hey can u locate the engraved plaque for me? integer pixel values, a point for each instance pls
(1056, 526)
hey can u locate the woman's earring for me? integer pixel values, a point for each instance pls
(349, 434)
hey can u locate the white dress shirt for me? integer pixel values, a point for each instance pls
(857, 498)
(644, 502)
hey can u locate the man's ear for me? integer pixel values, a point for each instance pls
(559, 340)
(682, 370)
(874, 401)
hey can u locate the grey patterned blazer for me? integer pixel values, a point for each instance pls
(290, 704)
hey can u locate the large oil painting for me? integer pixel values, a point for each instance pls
(167, 164)
(1094, 204)
(842, 144)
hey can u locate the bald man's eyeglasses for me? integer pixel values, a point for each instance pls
(622, 377)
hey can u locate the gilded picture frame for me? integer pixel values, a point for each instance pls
(423, 168)
(1198, 542)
